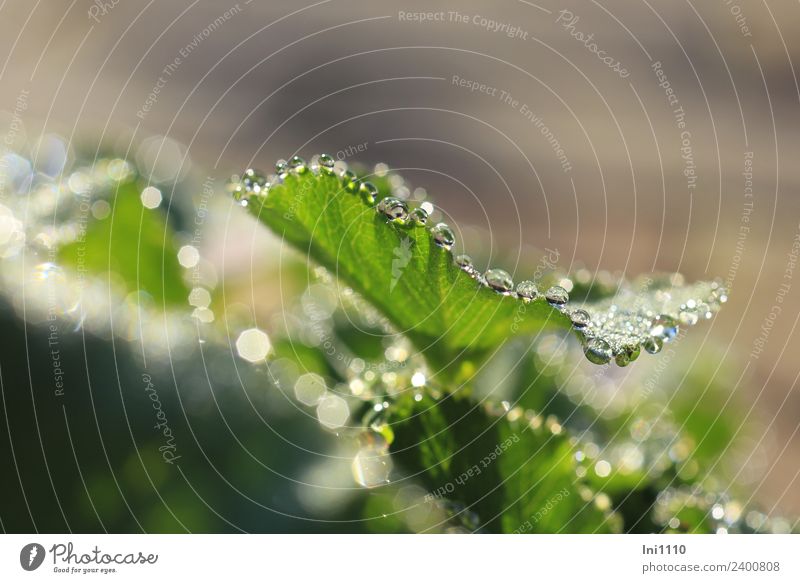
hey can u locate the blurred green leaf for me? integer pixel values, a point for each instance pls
(134, 243)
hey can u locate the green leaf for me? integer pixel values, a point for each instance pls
(443, 310)
(135, 244)
(451, 314)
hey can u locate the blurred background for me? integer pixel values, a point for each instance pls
(628, 136)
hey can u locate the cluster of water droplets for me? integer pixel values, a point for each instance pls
(644, 314)
(399, 207)
(618, 327)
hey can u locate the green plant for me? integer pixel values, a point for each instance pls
(457, 401)
(521, 459)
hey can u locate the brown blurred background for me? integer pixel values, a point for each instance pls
(254, 82)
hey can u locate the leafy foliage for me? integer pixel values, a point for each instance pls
(496, 468)
(485, 419)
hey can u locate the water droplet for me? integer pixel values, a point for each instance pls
(253, 181)
(602, 468)
(627, 354)
(309, 388)
(653, 344)
(419, 217)
(298, 165)
(499, 280)
(350, 181)
(203, 315)
(199, 297)
(253, 345)
(151, 197)
(394, 208)
(332, 411)
(370, 192)
(580, 318)
(188, 256)
(527, 290)
(464, 262)
(664, 327)
(443, 235)
(326, 164)
(557, 295)
(597, 351)
(282, 168)
(372, 466)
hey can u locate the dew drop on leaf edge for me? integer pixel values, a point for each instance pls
(253, 181)
(580, 318)
(557, 295)
(664, 327)
(627, 355)
(653, 344)
(499, 280)
(393, 208)
(527, 290)
(282, 168)
(597, 351)
(370, 192)
(443, 235)
(326, 163)
(350, 181)
(297, 165)
(419, 217)
(464, 261)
